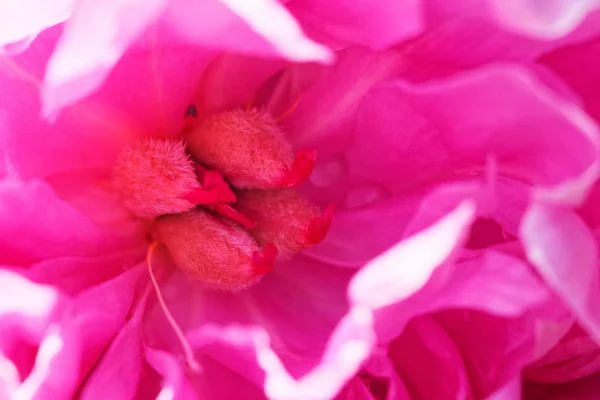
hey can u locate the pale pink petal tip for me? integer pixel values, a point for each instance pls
(384, 281)
(549, 19)
(348, 347)
(271, 20)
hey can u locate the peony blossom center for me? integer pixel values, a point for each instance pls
(221, 197)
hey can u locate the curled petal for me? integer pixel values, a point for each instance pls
(561, 247)
(382, 282)
(550, 20)
(118, 372)
(349, 345)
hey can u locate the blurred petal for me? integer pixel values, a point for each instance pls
(376, 24)
(347, 348)
(23, 20)
(433, 353)
(26, 304)
(382, 282)
(95, 37)
(510, 391)
(496, 105)
(326, 110)
(575, 65)
(550, 19)
(36, 225)
(118, 372)
(175, 385)
(561, 247)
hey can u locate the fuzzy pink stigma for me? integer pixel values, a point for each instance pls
(284, 218)
(318, 228)
(153, 177)
(263, 263)
(302, 167)
(247, 147)
(213, 250)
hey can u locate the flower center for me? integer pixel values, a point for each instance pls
(222, 200)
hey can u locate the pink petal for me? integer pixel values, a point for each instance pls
(74, 274)
(382, 283)
(26, 304)
(86, 142)
(54, 374)
(232, 80)
(563, 250)
(359, 234)
(75, 70)
(497, 360)
(574, 64)
(347, 348)
(510, 391)
(355, 390)
(262, 27)
(326, 110)
(582, 389)
(423, 350)
(37, 225)
(175, 386)
(376, 24)
(496, 108)
(493, 282)
(117, 374)
(380, 366)
(299, 287)
(101, 312)
(548, 20)
(88, 50)
(22, 21)
(575, 356)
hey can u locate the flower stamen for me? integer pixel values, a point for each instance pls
(291, 109)
(185, 345)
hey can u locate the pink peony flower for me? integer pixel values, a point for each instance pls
(459, 143)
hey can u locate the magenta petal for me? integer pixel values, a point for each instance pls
(510, 391)
(326, 111)
(380, 366)
(491, 363)
(175, 386)
(494, 282)
(382, 282)
(87, 50)
(431, 353)
(355, 390)
(74, 274)
(101, 312)
(262, 27)
(377, 24)
(549, 20)
(561, 247)
(55, 373)
(496, 105)
(118, 372)
(575, 356)
(36, 225)
(349, 345)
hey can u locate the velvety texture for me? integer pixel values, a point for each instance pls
(459, 141)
